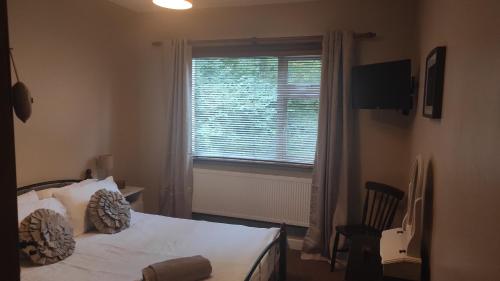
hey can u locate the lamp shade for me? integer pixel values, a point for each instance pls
(105, 162)
(174, 4)
(104, 165)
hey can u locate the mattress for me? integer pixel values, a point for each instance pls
(231, 249)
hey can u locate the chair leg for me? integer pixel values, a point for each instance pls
(334, 252)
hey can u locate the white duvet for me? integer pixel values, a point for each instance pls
(231, 249)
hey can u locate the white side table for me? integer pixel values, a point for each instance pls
(133, 194)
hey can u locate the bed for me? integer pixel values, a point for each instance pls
(235, 252)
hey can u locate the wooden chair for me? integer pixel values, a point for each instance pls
(381, 203)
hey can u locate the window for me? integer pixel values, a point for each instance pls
(258, 108)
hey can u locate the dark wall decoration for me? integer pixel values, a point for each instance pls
(434, 81)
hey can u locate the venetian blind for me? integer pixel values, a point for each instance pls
(262, 108)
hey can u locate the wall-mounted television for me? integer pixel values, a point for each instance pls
(385, 85)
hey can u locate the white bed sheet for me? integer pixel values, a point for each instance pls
(231, 249)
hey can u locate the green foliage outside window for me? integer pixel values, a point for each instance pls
(244, 109)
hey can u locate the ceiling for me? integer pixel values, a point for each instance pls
(143, 6)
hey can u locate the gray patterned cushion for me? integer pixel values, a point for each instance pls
(109, 211)
(48, 236)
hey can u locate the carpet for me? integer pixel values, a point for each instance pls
(301, 270)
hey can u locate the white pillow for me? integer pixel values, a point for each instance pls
(28, 197)
(47, 193)
(76, 200)
(23, 210)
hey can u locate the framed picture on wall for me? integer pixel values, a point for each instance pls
(434, 80)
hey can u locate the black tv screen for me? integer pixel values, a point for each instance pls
(382, 85)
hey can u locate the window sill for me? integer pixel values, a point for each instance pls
(252, 162)
(252, 166)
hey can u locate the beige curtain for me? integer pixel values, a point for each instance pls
(331, 169)
(177, 178)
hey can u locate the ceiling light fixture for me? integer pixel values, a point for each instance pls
(174, 4)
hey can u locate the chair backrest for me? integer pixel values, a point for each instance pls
(381, 203)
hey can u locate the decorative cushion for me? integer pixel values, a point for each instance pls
(23, 210)
(49, 192)
(48, 237)
(109, 211)
(27, 198)
(76, 200)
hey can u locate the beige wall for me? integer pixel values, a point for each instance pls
(68, 53)
(384, 136)
(94, 77)
(464, 143)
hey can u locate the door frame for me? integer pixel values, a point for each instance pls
(8, 186)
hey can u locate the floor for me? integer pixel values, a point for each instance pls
(300, 270)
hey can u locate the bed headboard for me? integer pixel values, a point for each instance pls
(44, 185)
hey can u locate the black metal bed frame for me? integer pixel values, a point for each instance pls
(280, 241)
(45, 185)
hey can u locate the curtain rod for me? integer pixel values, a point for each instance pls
(302, 39)
(365, 35)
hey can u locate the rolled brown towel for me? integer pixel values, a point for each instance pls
(182, 269)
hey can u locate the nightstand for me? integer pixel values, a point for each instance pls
(133, 194)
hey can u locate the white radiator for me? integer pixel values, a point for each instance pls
(252, 196)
